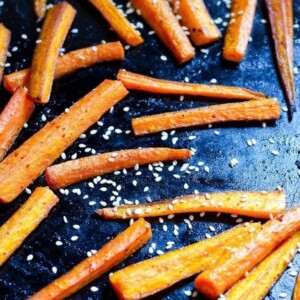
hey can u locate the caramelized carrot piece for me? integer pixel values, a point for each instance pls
(239, 29)
(73, 171)
(257, 284)
(5, 35)
(158, 14)
(111, 254)
(40, 8)
(29, 161)
(24, 221)
(12, 119)
(195, 16)
(54, 31)
(288, 18)
(231, 267)
(134, 81)
(163, 271)
(297, 289)
(70, 62)
(256, 110)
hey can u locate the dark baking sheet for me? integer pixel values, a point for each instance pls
(258, 168)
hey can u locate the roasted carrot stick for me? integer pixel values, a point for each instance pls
(231, 267)
(70, 62)
(5, 35)
(256, 110)
(158, 14)
(111, 254)
(134, 81)
(12, 119)
(256, 285)
(40, 8)
(296, 295)
(54, 31)
(280, 15)
(239, 29)
(195, 16)
(73, 171)
(252, 204)
(163, 271)
(25, 164)
(25, 220)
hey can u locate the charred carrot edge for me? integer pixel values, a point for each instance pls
(252, 204)
(54, 31)
(158, 14)
(73, 171)
(257, 284)
(165, 270)
(12, 119)
(25, 164)
(25, 220)
(134, 81)
(70, 62)
(5, 36)
(222, 275)
(195, 16)
(111, 254)
(296, 295)
(40, 8)
(118, 22)
(239, 29)
(256, 110)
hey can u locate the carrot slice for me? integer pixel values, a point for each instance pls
(256, 110)
(158, 14)
(24, 221)
(195, 16)
(40, 8)
(70, 62)
(12, 119)
(163, 271)
(257, 284)
(239, 29)
(5, 35)
(134, 81)
(111, 254)
(54, 31)
(25, 164)
(296, 295)
(252, 204)
(73, 171)
(231, 267)
(118, 22)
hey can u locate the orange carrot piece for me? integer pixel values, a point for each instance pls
(288, 18)
(70, 62)
(158, 14)
(252, 204)
(118, 22)
(73, 171)
(239, 29)
(134, 81)
(24, 221)
(40, 8)
(54, 31)
(111, 254)
(296, 295)
(231, 267)
(12, 119)
(29, 161)
(5, 35)
(256, 110)
(195, 16)
(163, 271)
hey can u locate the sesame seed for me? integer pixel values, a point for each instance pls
(58, 243)
(24, 36)
(163, 58)
(185, 186)
(233, 163)
(54, 270)
(94, 289)
(74, 238)
(29, 257)
(282, 295)
(188, 293)
(275, 152)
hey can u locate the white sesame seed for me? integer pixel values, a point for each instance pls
(94, 289)
(275, 152)
(29, 257)
(188, 293)
(163, 58)
(24, 36)
(58, 243)
(282, 295)
(185, 186)
(54, 270)
(74, 238)
(233, 163)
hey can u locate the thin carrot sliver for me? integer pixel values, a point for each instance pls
(40, 8)
(5, 36)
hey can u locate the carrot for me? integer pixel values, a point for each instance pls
(134, 81)
(118, 22)
(12, 119)
(163, 271)
(40, 8)
(252, 204)
(54, 31)
(297, 289)
(239, 29)
(5, 36)
(73, 171)
(29, 161)
(70, 62)
(256, 110)
(195, 16)
(158, 14)
(111, 254)
(223, 274)
(24, 221)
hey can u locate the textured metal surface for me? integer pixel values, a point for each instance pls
(258, 168)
